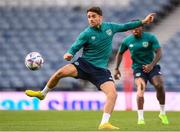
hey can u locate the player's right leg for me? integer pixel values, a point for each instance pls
(111, 95)
(66, 71)
(141, 85)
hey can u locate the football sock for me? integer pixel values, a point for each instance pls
(105, 118)
(45, 90)
(140, 114)
(162, 109)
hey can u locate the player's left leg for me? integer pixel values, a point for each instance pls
(110, 91)
(157, 82)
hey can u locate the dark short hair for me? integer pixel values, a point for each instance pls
(95, 9)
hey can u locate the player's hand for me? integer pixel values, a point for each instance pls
(147, 68)
(149, 18)
(68, 56)
(117, 74)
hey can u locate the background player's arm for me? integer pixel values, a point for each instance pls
(157, 56)
(117, 73)
(119, 56)
(156, 46)
(76, 46)
(134, 24)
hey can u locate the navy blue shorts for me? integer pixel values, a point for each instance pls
(147, 76)
(88, 71)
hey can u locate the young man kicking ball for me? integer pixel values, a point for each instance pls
(96, 41)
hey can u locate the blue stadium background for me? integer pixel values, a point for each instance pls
(51, 29)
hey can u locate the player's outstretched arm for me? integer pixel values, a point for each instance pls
(133, 24)
(117, 73)
(149, 18)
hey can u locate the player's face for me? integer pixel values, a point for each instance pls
(137, 32)
(94, 19)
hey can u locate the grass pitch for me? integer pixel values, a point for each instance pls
(82, 121)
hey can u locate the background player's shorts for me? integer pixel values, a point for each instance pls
(147, 76)
(88, 71)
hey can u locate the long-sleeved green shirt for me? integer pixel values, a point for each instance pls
(97, 42)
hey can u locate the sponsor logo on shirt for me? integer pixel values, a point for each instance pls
(131, 45)
(93, 37)
(145, 44)
(109, 32)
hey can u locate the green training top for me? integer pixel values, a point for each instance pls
(142, 49)
(97, 42)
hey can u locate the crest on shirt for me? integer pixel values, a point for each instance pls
(145, 44)
(109, 32)
(131, 45)
(93, 37)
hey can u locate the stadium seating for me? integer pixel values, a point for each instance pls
(50, 31)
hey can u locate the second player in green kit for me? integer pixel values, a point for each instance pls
(145, 54)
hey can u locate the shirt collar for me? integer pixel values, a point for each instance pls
(98, 28)
(140, 36)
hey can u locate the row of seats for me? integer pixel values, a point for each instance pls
(51, 32)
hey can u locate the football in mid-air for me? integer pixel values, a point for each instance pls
(34, 61)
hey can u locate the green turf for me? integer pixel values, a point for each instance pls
(81, 121)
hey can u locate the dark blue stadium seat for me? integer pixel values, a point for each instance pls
(52, 30)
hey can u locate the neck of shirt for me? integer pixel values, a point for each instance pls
(99, 27)
(137, 37)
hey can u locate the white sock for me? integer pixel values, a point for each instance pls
(140, 114)
(105, 118)
(162, 109)
(45, 90)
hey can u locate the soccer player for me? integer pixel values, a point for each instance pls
(143, 46)
(96, 41)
